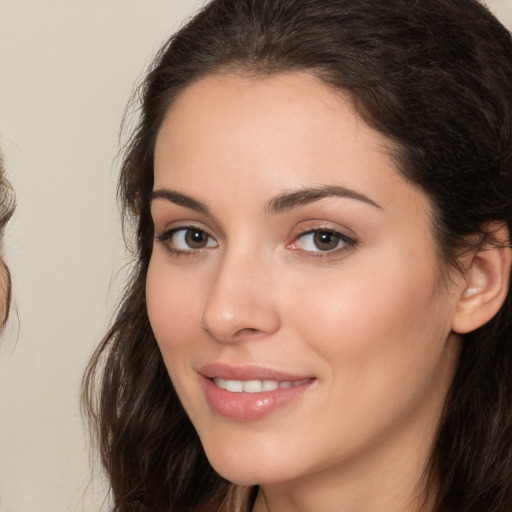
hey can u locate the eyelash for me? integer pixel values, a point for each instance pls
(346, 242)
(166, 239)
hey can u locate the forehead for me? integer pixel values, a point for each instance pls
(285, 100)
(273, 134)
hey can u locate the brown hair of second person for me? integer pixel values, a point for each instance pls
(6, 211)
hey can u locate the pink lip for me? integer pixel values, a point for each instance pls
(249, 406)
(248, 372)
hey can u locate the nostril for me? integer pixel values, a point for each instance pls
(247, 332)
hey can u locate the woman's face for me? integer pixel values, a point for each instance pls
(294, 287)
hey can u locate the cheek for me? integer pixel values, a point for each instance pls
(375, 316)
(381, 341)
(173, 305)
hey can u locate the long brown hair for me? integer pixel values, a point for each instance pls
(434, 77)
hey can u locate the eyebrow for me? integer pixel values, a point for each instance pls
(279, 204)
(290, 200)
(180, 200)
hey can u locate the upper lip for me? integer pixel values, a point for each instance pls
(247, 372)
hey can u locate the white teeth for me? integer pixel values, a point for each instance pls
(220, 382)
(252, 386)
(234, 385)
(270, 385)
(256, 386)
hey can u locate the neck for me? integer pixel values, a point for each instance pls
(390, 477)
(354, 490)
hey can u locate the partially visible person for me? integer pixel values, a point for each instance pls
(6, 210)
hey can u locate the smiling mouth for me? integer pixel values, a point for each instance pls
(257, 386)
(249, 393)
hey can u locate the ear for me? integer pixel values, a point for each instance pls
(486, 280)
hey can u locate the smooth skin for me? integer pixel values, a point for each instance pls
(286, 238)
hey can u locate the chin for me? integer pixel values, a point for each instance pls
(247, 475)
(244, 469)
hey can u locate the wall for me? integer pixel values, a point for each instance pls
(67, 69)
(66, 73)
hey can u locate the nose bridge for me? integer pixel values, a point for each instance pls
(239, 302)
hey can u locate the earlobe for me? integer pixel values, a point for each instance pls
(487, 275)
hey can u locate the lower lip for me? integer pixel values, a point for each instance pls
(250, 406)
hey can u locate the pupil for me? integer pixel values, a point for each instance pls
(325, 241)
(195, 238)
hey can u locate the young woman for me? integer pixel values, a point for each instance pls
(319, 318)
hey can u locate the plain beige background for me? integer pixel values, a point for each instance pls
(67, 69)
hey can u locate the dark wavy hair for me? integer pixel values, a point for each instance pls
(7, 204)
(435, 78)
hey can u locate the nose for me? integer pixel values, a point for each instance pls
(240, 301)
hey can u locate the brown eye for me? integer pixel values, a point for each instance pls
(187, 239)
(195, 238)
(326, 240)
(322, 241)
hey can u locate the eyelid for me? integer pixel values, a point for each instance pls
(348, 242)
(166, 234)
(164, 237)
